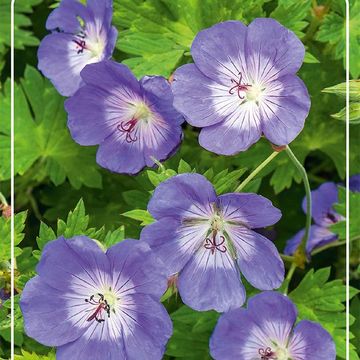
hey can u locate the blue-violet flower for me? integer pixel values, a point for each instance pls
(266, 330)
(96, 305)
(80, 35)
(243, 84)
(134, 122)
(323, 200)
(208, 241)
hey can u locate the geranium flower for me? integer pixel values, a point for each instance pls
(266, 330)
(242, 85)
(208, 240)
(133, 121)
(80, 35)
(323, 200)
(96, 305)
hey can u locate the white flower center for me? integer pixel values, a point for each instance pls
(282, 354)
(97, 48)
(142, 112)
(111, 298)
(254, 93)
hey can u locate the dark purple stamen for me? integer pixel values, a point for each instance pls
(81, 45)
(212, 245)
(266, 354)
(128, 128)
(238, 87)
(101, 305)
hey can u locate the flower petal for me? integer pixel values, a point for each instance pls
(158, 92)
(323, 199)
(258, 259)
(173, 242)
(98, 340)
(117, 155)
(219, 51)
(354, 183)
(272, 50)
(102, 11)
(164, 133)
(47, 314)
(183, 196)
(60, 61)
(211, 281)
(136, 269)
(284, 107)
(114, 78)
(65, 16)
(240, 129)
(196, 96)
(311, 342)
(147, 328)
(251, 209)
(139, 330)
(77, 264)
(231, 334)
(275, 314)
(268, 319)
(98, 107)
(319, 236)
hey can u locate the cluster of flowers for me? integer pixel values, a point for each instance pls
(93, 304)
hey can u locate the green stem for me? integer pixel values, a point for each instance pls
(256, 171)
(305, 179)
(333, 244)
(3, 200)
(158, 163)
(289, 277)
(287, 258)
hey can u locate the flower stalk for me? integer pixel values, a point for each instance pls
(300, 254)
(256, 171)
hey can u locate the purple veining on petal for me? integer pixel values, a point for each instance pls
(80, 35)
(132, 121)
(209, 242)
(92, 304)
(242, 85)
(266, 330)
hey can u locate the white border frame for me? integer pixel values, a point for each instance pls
(12, 202)
(12, 198)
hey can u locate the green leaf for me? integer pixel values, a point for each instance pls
(139, 215)
(24, 36)
(184, 167)
(32, 356)
(293, 14)
(225, 182)
(355, 328)
(114, 237)
(322, 301)
(354, 204)
(332, 31)
(310, 59)
(46, 234)
(157, 178)
(43, 142)
(192, 331)
(5, 234)
(158, 34)
(76, 224)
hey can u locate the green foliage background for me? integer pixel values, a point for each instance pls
(58, 179)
